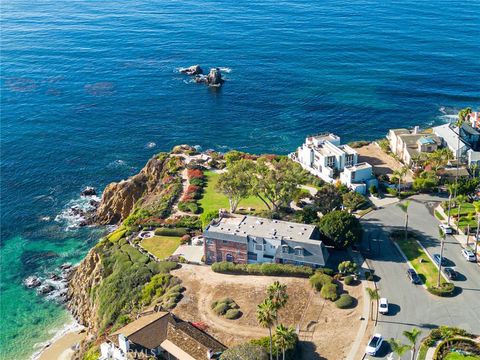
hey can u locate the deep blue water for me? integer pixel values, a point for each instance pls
(86, 85)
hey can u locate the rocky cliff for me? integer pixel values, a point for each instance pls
(119, 199)
(86, 277)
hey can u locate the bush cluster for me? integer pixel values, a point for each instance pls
(329, 291)
(189, 206)
(445, 290)
(262, 269)
(345, 301)
(290, 354)
(226, 307)
(348, 280)
(319, 280)
(163, 231)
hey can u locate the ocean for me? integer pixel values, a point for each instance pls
(90, 90)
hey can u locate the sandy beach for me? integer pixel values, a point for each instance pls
(61, 349)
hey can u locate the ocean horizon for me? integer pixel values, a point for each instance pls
(91, 90)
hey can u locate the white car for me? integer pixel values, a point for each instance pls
(469, 255)
(383, 306)
(374, 344)
(446, 229)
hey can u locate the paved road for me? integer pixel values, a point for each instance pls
(411, 305)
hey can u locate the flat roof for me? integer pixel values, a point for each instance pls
(244, 226)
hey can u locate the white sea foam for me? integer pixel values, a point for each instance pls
(225, 69)
(70, 327)
(117, 163)
(150, 145)
(69, 217)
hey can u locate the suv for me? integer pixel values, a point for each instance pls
(469, 255)
(439, 259)
(447, 230)
(449, 273)
(413, 276)
(374, 344)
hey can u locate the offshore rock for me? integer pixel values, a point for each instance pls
(214, 78)
(32, 282)
(192, 70)
(88, 191)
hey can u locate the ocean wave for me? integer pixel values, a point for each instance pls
(117, 164)
(72, 215)
(70, 327)
(150, 145)
(225, 69)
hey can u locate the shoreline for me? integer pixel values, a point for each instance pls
(60, 345)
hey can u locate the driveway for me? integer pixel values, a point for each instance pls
(411, 305)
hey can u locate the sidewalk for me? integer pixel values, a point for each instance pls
(355, 352)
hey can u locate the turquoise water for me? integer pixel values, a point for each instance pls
(90, 91)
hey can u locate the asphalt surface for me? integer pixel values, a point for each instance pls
(412, 305)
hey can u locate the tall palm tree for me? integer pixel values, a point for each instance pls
(442, 235)
(412, 337)
(266, 317)
(404, 206)
(452, 189)
(400, 174)
(462, 117)
(278, 294)
(373, 295)
(285, 338)
(398, 348)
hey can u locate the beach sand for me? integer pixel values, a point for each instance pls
(62, 348)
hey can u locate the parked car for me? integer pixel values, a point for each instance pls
(413, 276)
(469, 255)
(439, 259)
(446, 229)
(374, 344)
(450, 273)
(383, 306)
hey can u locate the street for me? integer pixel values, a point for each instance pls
(412, 305)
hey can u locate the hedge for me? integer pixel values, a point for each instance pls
(232, 314)
(171, 231)
(348, 280)
(445, 345)
(445, 290)
(327, 271)
(345, 301)
(262, 269)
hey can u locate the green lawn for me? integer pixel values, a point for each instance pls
(213, 200)
(465, 209)
(161, 246)
(456, 356)
(427, 270)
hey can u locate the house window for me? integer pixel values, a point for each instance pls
(284, 249)
(331, 161)
(298, 250)
(225, 242)
(252, 256)
(349, 160)
(229, 257)
(258, 247)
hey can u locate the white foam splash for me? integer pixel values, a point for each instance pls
(150, 145)
(117, 163)
(68, 216)
(70, 327)
(225, 69)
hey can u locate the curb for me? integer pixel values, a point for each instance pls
(408, 262)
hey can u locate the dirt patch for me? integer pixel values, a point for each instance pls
(306, 311)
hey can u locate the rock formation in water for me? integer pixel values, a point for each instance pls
(192, 70)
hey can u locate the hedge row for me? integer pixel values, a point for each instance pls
(262, 269)
(171, 231)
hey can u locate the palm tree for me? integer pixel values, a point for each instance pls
(373, 295)
(462, 117)
(452, 189)
(285, 338)
(398, 348)
(442, 235)
(266, 317)
(404, 206)
(278, 294)
(412, 337)
(400, 174)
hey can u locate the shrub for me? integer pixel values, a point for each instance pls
(327, 271)
(197, 182)
(262, 269)
(319, 280)
(345, 301)
(348, 280)
(329, 291)
(290, 354)
(220, 308)
(171, 231)
(445, 290)
(232, 314)
(392, 191)
(373, 189)
(189, 222)
(347, 267)
(207, 217)
(247, 351)
(185, 239)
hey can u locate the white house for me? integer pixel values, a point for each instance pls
(461, 148)
(359, 177)
(323, 156)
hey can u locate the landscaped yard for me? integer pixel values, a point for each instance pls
(422, 264)
(213, 200)
(456, 356)
(161, 246)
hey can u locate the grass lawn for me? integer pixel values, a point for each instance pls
(465, 209)
(427, 270)
(161, 246)
(438, 215)
(213, 200)
(456, 356)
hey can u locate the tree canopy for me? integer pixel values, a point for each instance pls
(328, 198)
(341, 229)
(235, 183)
